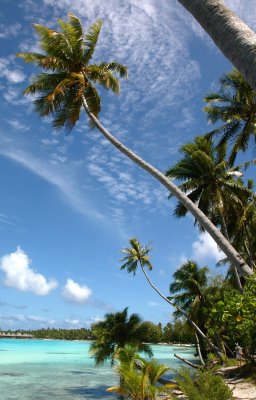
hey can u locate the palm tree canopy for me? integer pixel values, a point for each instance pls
(134, 255)
(69, 76)
(189, 284)
(115, 331)
(138, 377)
(209, 181)
(234, 106)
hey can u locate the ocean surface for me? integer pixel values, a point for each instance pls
(63, 370)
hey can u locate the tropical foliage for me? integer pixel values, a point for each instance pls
(138, 376)
(189, 284)
(233, 316)
(203, 385)
(114, 332)
(234, 106)
(209, 181)
(70, 78)
(70, 85)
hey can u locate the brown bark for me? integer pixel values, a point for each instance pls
(230, 34)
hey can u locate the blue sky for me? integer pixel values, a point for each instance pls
(68, 204)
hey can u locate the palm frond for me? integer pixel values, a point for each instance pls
(91, 39)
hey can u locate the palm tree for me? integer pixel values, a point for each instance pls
(234, 105)
(136, 255)
(232, 36)
(188, 285)
(138, 377)
(114, 332)
(67, 88)
(242, 228)
(209, 181)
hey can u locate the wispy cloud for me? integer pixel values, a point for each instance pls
(8, 31)
(18, 125)
(8, 72)
(63, 181)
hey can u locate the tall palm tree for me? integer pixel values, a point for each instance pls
(114, 332)
(189, 282)
(232, 36)
(242, 229)
(234, 106)
(67, 88)
(138, 255)
(209, 181)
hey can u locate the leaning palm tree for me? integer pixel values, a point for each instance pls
(138, 255)
(114, 332)
(210, 182)
(68, 87)
(234, 107)
(232, 36)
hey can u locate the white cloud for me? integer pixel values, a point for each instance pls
(64, 181)
(20, 276)
(8, 72)
(72, 322)
(6, 31)
(75, 293)
(19, 126)
(205, 248)
(153, 304)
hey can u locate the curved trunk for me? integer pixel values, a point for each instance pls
(198, 330)
(237, 277)
(232, 36)
(199, 351)
(223, 244)
(187, 362)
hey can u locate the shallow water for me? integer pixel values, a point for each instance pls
(62, 370)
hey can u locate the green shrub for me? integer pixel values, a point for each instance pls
(203, 385)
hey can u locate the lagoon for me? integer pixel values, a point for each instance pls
(63, 370)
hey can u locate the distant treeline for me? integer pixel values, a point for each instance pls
(176, 332)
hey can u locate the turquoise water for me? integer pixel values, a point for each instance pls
(62, 370)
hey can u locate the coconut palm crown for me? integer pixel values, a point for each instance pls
(134, 255)
(234, 106)
(70, 77)
(209, 181)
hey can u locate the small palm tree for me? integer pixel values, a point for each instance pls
(138, 377)
(114, 332)
(234, 105)
(69, 85)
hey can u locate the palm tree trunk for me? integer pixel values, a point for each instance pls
(198, 330)
(221, 241)
(199, 350)
(232, 36)
(237, 277)
(187, 362)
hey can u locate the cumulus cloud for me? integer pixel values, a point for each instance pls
(20, 276)
(205, 248)
(75, 293)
